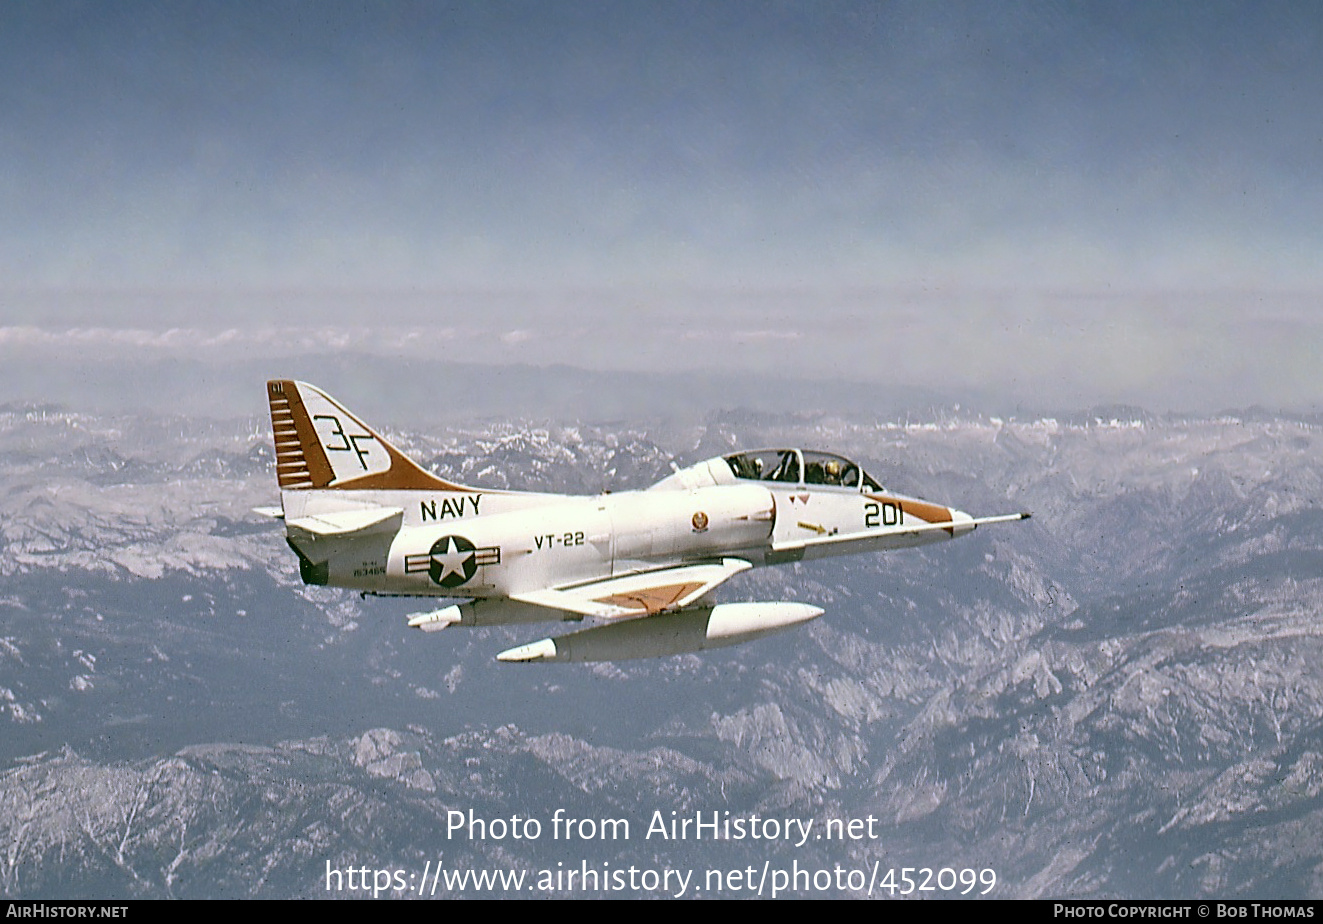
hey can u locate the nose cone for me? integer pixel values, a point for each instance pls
(740, 622)
(436, 620)
(544, 650)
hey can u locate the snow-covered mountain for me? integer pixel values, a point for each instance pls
(1121, 697)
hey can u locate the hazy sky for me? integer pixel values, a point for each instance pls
(1097, 201)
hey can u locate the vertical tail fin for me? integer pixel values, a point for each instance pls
(319, 444)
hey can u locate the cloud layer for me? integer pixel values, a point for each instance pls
(1117, 176)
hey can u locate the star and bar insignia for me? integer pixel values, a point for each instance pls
(452, 561)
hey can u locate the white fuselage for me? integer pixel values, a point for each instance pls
(526, 542)
(512, 543)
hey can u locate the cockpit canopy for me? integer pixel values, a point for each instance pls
(800, 466)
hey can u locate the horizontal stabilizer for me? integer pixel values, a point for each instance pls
(275, 513)
(349, 522)
(669, 634)
(638, 594)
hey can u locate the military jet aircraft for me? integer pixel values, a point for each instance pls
(361, 515)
